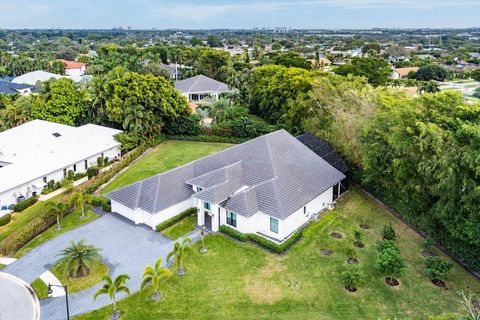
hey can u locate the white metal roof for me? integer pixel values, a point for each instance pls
(33, 150)
(33, 77)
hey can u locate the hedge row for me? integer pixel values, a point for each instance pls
(263, 242)
(19, 207)
(207, 138)
(170, 222)
(102, 202)
(21, 237)
(5, 219)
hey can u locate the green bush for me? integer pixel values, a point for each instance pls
(92, 172)
(102, 202)
(388, 232)
(170, 222)
(19, 207)
(436, 268)
(4, 220)
(263, 242)
(207, 138)
(100, 162)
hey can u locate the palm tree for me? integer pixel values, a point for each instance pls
(112, 287)
(58, 209)
(77, 258)
(152, 275)
(78, 201)
(203, 113)
(180, 250)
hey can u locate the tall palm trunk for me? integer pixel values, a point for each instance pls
(83, 211)
(58, 222)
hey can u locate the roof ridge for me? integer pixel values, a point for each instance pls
(138, 195)
(195, 82)
(156, 193)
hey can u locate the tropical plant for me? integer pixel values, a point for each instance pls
(78, 201)
(436, 268)
(152, 276)
(352, 278)
(111, 288)
(180, 250)
(58, 209)
(76, 258)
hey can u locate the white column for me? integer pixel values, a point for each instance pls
(200, 214)
(215, 217)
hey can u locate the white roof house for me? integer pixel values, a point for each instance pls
(33, 77)
(39, 151)
(201, 87)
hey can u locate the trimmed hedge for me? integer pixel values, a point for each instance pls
(4, 220)
(263, 242)
(170, 222)
(207, 138)
(102, 202)
(19, 207)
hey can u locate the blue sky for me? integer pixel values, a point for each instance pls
(186, 14)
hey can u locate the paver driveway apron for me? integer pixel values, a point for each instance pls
(126, 248)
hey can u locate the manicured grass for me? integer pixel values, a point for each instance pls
(167, 155)
(97, 270)
(240, 281)
(41, 289)
(181, 228)
(68, 223)
(1, 266)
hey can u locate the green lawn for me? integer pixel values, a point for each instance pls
(68, 223)
(41, 289)
(241, 281)
(167, 155)
(181, 228)
(97, 270)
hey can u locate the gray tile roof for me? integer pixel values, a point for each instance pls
(201, 83)
(7, 87)
(275, 174)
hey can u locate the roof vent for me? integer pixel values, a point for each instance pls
(56, 134)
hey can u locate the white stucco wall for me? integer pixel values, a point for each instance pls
(9, 197)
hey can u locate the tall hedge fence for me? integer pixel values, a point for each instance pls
(207, 138)
(278, 248)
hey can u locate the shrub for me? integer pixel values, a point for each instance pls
(169, 222)
(358, 237)
(102, 202)
(207, 138)
(389, 232)
(70, 174)
(100, 162)
(19, 207)
(184, 125)
(389, 261)
(428, 243)
(92, 172)
(352, 277)
(263, 242)
(436, 268)
(5, 219)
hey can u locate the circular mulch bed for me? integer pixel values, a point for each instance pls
(392, 282)
(349, 289)
(428, 253)
(364, 226)
(359, 244)
(325, 252)
(439, 283)
(352, 261)
(336, 235)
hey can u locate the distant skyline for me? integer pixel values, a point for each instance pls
(208, 14)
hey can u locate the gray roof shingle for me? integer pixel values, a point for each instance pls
(201, 83)
(275, 174)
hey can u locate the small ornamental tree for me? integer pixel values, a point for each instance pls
(389, 261)
(358, 238)
(352, 278)
(436, 268)
(388, 232)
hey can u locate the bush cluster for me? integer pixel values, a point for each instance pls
(5, 219)
(263, 242)
(102, 202)
(19, 207)
(170, 222)
(207, 138)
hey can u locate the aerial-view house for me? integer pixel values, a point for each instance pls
(272, 186)
(38, 151)
(200, 88)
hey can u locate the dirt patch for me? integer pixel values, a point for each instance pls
(260, 287)
(439, 283)
(392, 282)
(336, 235)
(326, 252)
(364, 226)
(428, 253)
(352, 261)
(359, 244)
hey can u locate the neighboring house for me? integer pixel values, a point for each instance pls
(272, 186)
(10, 88)
(74, 69)
(172, 70)
(402, 73)
(38, 151)
(201, 87)
(31, 78)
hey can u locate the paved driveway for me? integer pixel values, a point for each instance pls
(126, 248)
